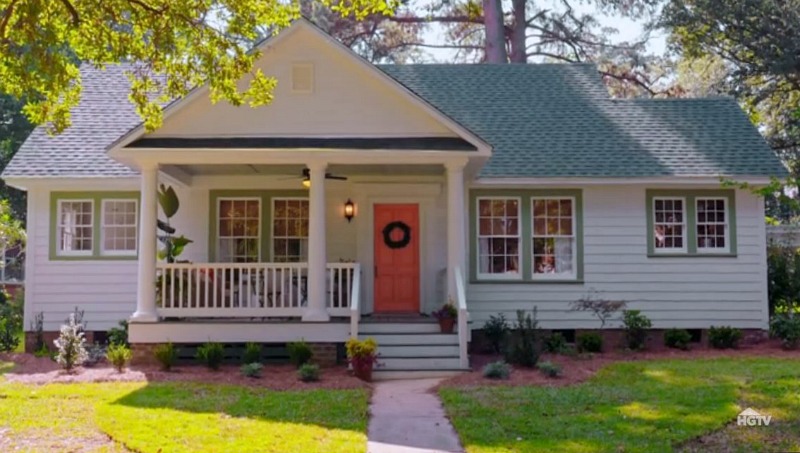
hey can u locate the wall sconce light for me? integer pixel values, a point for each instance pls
(349, 210)
(307, 182)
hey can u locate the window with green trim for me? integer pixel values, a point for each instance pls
(699, 222)
(75, 227)
(554, 250)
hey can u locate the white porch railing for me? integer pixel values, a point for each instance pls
(248, 290)
(463, 319)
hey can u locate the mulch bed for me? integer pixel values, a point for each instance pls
(41, 370)
(578, 369)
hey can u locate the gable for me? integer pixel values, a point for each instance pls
(344, 99)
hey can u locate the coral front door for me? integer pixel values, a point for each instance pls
(396, 237)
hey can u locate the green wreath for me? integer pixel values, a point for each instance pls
(387, 235)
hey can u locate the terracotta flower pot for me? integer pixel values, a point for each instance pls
(446, 325)
(363, 370)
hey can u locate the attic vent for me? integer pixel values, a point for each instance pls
(302, 78)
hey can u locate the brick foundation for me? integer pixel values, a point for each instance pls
(325, 354)
(142, 354)
(49, 337)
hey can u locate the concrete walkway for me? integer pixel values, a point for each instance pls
(407, 417)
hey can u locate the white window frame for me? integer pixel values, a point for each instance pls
(506, 275)
(555, 276)
(103, 226)
(272, 235)
(726, 226)
(259, 237)
(685, 224)
(60, 228)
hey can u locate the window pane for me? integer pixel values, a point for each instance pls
(498, 236)
(75, 231)
(119, 229)
(711, 223)
(553, 237)
(668, 227)
(239, 230)
(290, 230)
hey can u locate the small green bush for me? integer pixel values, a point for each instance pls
(786, 326)
(300, 353)
(589, 342)
(497, 370)
(555, 343)
(635, 325)
(9, 338)
(252, 370)
(496, 332)
(308, 372)
(42, 352)
(167, 355)
(211, 354)
(550, 369)
(119, 335)
(118, 355)
(677, 339)
(523, 351)
(724, 337)
(94, 354)
(252, 353)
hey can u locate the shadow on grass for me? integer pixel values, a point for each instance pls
(635, 406)
(200, 417)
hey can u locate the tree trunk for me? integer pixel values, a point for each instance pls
(495, 32)
(518, 27)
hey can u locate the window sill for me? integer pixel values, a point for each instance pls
(692, 255)
(93, 258)
(526, 282)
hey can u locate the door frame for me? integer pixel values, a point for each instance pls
(365, 242)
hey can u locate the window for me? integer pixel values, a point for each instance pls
(553, 238)
(691, 222)
(669, 224)
(499, 237)
(289, 230)
(118, 232)
(239, 227)
(75, 227)
(712, 226)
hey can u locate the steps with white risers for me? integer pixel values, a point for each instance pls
(412, 349)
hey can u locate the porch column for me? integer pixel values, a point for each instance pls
(317, 251)
(146, 290)
(456, 236)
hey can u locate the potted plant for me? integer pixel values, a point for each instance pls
(362, 355)
(446, 316)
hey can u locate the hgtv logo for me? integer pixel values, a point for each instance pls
(750, 417)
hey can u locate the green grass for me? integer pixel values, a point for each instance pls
(638, 406)
(182, 417)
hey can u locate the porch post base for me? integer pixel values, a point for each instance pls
(315, 316)
(143, 317)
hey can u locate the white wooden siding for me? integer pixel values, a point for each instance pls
(689, 292)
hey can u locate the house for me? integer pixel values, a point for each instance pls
(499, 187)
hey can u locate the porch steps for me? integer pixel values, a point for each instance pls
(412, 349)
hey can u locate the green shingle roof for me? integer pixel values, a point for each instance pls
(557, 120)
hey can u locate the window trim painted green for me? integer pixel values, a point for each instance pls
(265, 196)
(691, 197)
(97, 205)
(526, 196)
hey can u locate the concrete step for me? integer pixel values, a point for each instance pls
(389, 339)
(372, 328)
(427, 350)
(418, 363)
(386, 375)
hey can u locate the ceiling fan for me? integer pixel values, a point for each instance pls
(307, 177)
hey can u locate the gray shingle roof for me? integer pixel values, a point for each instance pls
(544, 120)
(557, 120)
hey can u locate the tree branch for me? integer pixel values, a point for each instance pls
(6, 16)
(76, 20)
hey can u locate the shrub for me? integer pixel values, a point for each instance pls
(635, 325)
(447, 311)
(211, 354)
(524, 351)
(602, 309)
(308, 372)
(119, 335)
(252, 353)
(555, 343)
(724, 337)
(550, 369)
(42, 352)
(71, 345)
(496, 332)
(9, 338)
(300, 353)
(786, 326)
(497, 370)
(94, 353)
(589, 342)
(118, 355)
(677, 339)
(167, 355)
(10, 322)
(251, 370)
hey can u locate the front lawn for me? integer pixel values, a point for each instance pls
(180, 417)
(643, 406)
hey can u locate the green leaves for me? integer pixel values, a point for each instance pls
(168, 200)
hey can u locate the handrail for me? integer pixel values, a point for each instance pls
(463, 319)
(355, 297)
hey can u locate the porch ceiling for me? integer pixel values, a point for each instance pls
(290, 171)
